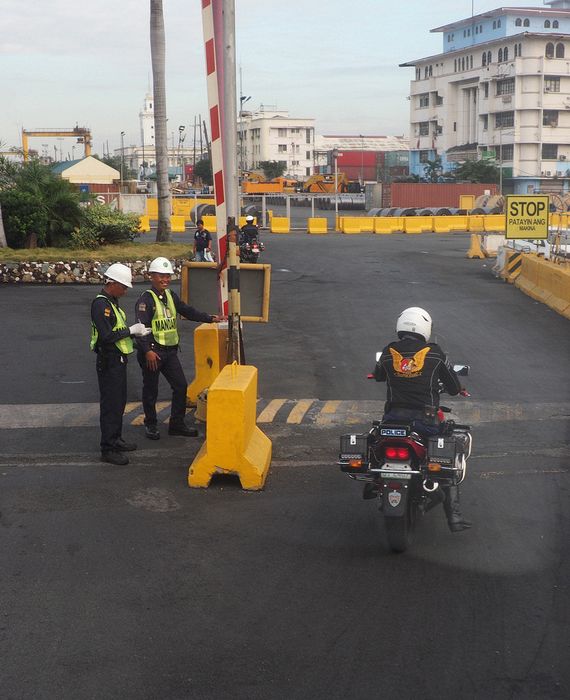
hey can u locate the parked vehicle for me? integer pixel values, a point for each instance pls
(407, 471)
(250, 250)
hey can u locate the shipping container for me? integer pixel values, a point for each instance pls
(422, 195)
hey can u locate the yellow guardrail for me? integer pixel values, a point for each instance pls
(350, 224)
(446, 224)
(144, 223)
(418, 224)
(280, 224)
(494, 222)
(177, 224)
(546, 282)
(210, 223)
(388, 224)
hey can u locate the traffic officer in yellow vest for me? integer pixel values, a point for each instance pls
(112, 341)
(158, 352)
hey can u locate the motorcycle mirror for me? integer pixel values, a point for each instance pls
(461, 370)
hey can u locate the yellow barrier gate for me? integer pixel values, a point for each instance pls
(210, 357)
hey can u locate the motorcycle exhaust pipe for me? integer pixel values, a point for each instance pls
(430, 486)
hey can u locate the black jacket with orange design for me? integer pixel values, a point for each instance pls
(412, 370)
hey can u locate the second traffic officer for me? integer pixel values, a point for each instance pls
(158, 352)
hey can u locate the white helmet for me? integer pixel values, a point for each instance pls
(249, 218)
(415, 320)
(161, 265)
(119, 273)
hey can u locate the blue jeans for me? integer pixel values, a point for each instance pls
(199, 256)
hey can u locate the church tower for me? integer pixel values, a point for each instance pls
(146, 117)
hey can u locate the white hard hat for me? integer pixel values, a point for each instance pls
(415, 320)
(249, 218)
(161, 265)
(119, 273)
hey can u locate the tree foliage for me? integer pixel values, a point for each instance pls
(102, 225)
(477, 171)
(203, 170)
(433, 170)
(272, 168)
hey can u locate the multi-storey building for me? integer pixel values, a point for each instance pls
(271, 134)
(499, 89)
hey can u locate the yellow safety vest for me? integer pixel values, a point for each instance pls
(124, 345)
(164, 326)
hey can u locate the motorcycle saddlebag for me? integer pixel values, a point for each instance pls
(353, 457)
(442, 451)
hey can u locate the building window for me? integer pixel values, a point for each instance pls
(494, 24)
(424, 156)
(282, 162)
(516, 50)
(498, 24)
(295, 131)
(282, 148)
(307, 136)
(518, 22)
(506, 87)
(549, 51)
(485, 121)
(477, 30)
(555, 24)
(430, 71)
(438, 99)
(424, 100)
(550, 117)
(520, 49)
(471, 61)
(489, 58)
(484, 59)
(549, 151)
(463, 63)
(418, 73)
(559, 50)
(504, 119)
(455, 65)
(423, 129)
(500, 58)
(281, 132)
(551, 84)
(485, 90)
(526, 23)
(547, 24)
(506, 152)
(506, 54)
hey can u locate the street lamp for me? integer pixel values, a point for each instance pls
(242, 100)
(181, 137)
(122, 157)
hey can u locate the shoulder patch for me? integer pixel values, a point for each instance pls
(142, 307)
(107, 311)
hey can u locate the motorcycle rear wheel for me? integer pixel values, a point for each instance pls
(400, 530)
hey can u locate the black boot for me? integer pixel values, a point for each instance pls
(455, 520)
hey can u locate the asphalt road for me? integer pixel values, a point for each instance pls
(122, 582)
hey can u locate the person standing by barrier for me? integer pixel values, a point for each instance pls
(112, 341)
(202, 242)
(158, 353)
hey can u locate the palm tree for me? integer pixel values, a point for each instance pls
(158, 53)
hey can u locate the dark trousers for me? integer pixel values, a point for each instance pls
(426, 427)
(112, 377)
(172, 371)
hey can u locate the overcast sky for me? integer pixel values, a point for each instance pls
(65, 62)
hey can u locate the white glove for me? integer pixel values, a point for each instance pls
(139, 330)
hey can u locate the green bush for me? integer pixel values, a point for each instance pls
(101, 225)
(23, 215)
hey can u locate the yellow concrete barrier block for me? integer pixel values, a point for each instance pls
(560, 287)
(144, 223)
(475, 249)
(351, 224)
(447, 224)
(152, 207)
(494, 222)
(242, 221)
(182, 207)
(280, 224)
(418, 224)
(367, 224)
(388, 224)
(554, 219)
(210, 223)
(475, 223)
(317, 225)
(527, 281)
(210, 357)
(234, 444)
(177, 224)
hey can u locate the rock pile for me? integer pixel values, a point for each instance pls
(71, 272)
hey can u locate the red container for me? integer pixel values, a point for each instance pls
(423, 195)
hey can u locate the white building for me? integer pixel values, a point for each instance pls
(500, 88)
(271, 134)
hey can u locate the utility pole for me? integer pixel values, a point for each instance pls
(194, 151)
(122, 158)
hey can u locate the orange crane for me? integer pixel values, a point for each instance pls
(81, 133)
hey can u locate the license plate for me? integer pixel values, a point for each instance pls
(397, 471)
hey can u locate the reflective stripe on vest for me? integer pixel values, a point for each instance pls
(164, 326)
(124, 345)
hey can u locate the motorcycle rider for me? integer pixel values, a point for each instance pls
(413, 368)
(249, 232)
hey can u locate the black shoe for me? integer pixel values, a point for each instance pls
(370, 490)
(182, 429)
(114, 457)
(455, 520)
(122, 446)
(151, 431)
(459, 525)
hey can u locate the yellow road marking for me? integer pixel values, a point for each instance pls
(268, 413)
(160, 405)
(330, 406)
(298, 412)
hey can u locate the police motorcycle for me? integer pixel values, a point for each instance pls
(407, 471)
(249, 250)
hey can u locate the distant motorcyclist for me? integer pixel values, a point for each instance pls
(249, 232)
(414, 369)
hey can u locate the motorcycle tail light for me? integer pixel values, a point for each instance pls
(397, 452)
(434, 467)
(355, 463)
